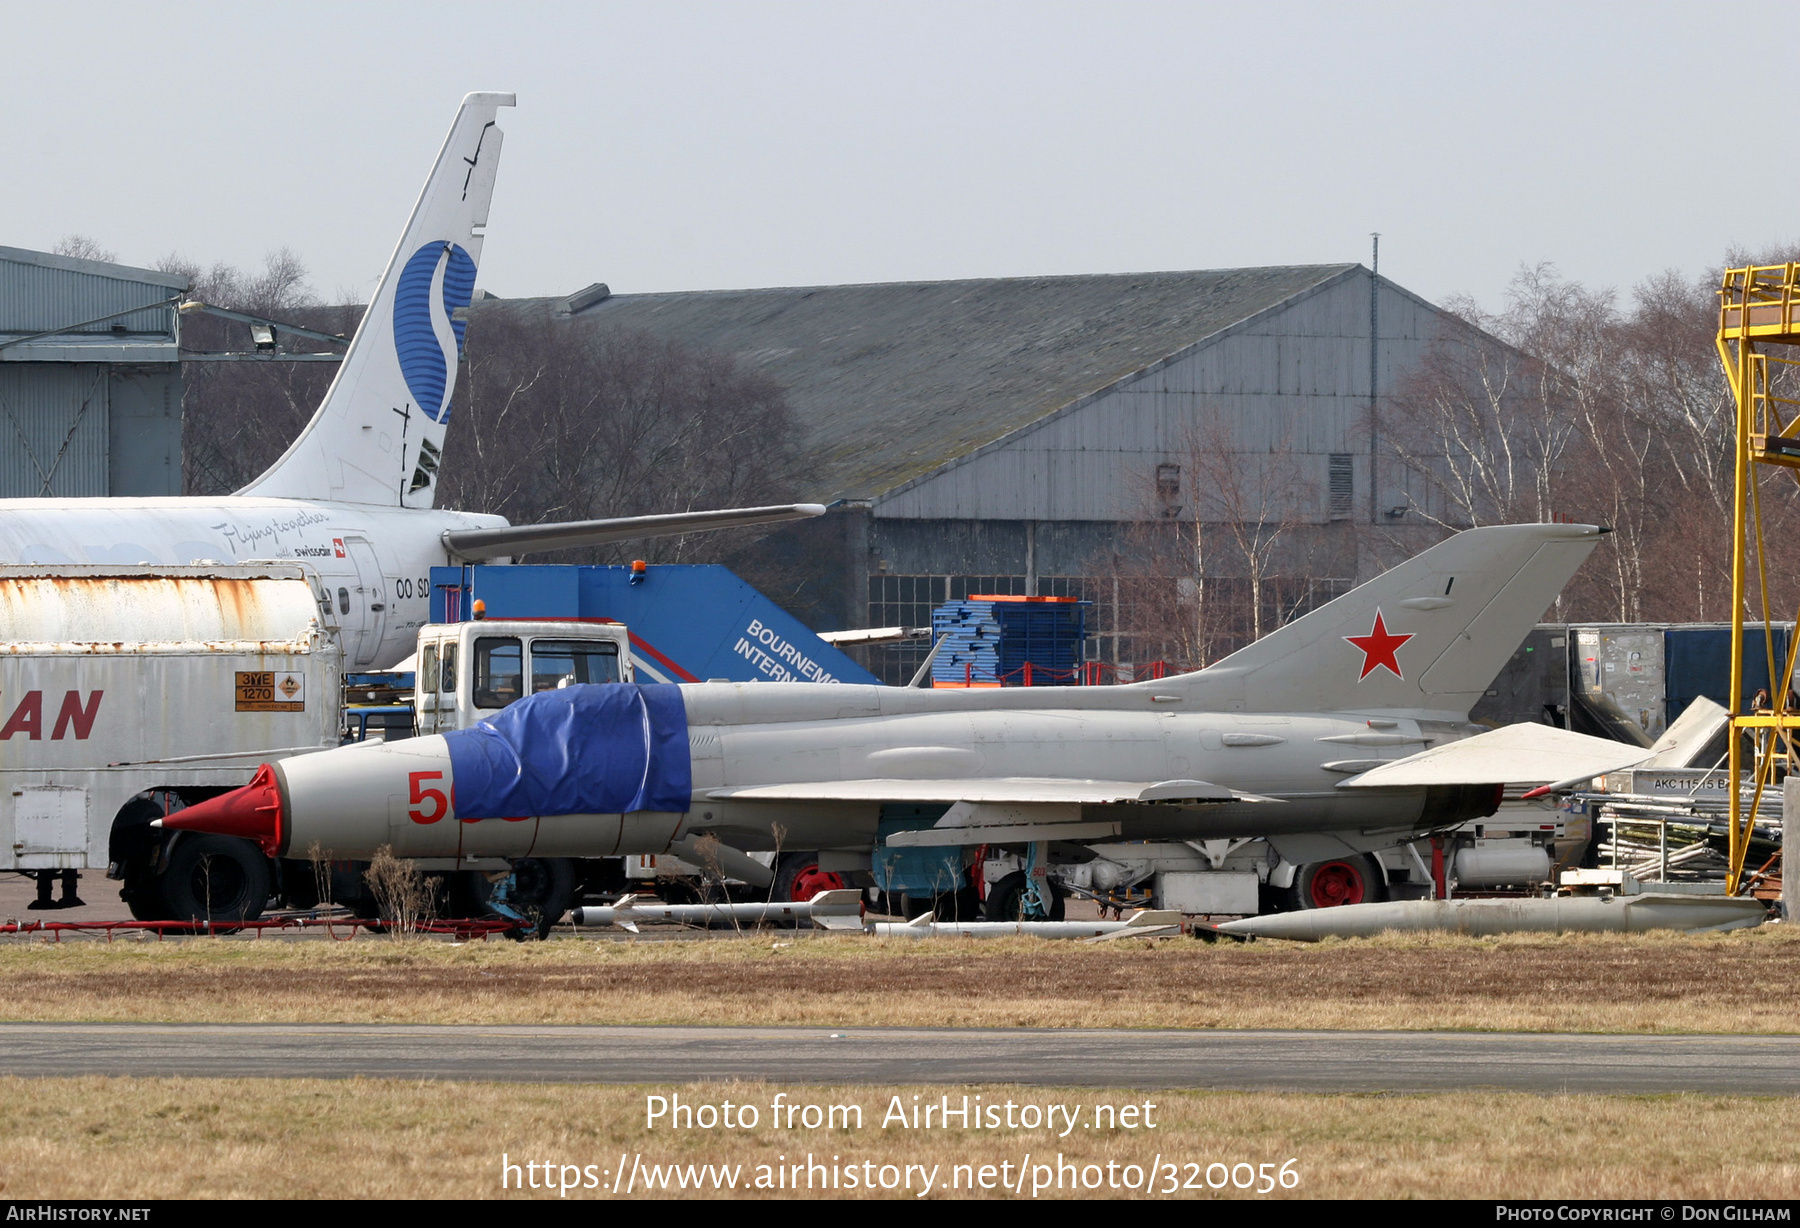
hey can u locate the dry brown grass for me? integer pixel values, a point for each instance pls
(211, 1138)
(1737, 982)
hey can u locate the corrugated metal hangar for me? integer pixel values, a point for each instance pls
(1002, 435)
(90, 377)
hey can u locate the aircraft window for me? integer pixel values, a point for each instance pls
(343, 601)
(499, 665)
(428, 669)
(449, 671)
(560, 663)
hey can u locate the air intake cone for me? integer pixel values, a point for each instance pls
(252, 812)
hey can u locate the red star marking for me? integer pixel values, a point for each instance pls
(1378, 649)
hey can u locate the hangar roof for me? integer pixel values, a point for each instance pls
(91, 310)
(891, 381)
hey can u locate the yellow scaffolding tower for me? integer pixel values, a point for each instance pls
(1759, 310)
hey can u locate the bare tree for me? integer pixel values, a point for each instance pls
(1672, 374)
(1701, 424)
(81, 247)
(238, 417)
(1565, 406)
(568, 420)
(1487, 417)
(1253, 502)
(1158, 613)
(1219, 553)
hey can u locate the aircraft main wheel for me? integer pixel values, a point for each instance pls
(215, 878)
(799, 878)
(1006, 899)
(1346, 880)
(541, 890)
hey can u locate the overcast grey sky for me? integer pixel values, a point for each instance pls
(668, 146)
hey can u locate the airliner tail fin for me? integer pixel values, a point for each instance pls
(379, 433)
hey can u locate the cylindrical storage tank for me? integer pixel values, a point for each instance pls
(1501, 867)
(92, 605)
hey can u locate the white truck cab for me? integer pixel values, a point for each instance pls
(466, 672)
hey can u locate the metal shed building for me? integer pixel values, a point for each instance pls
(1002, 435)
(90, 377)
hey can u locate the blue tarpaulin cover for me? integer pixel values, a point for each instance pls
(607, 748)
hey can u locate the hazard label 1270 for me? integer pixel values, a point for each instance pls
(269, 691)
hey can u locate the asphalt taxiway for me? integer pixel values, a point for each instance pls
(1293, 1061)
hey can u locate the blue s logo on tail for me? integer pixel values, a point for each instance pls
(428, 341)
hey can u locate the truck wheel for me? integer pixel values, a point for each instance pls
(799, 878)
(1006, 899)
(133, 843)
(143, 896)
(215, 878)
(1346, 880)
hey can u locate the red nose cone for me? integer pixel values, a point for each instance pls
(253, 812)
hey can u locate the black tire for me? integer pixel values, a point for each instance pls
(960, 904)
(1342, 880)
(799, 872)
(220, 879)
(133, 842)
(143, 896)
(1006, 898)
(133, 846)
(913, 906)
(543, 889)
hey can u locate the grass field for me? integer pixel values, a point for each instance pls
(365, 1138)
(209, 1138)
(1736, 982)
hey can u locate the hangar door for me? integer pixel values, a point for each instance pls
(53, 430)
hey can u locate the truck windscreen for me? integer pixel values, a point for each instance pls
(497, 672)
(560, 663)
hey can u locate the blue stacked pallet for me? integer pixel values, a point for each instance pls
(1047, 634)
(1009, 641)
(971, 654)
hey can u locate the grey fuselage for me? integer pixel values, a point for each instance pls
(744, 735)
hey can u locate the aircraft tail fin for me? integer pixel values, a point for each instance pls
(378, 434)
(1430, 634)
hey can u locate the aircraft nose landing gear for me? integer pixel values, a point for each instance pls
(535, 893)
